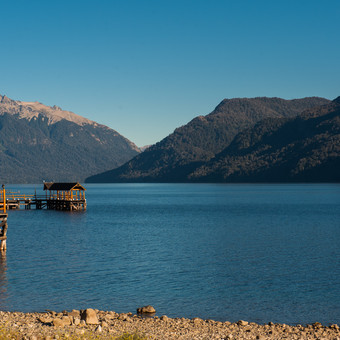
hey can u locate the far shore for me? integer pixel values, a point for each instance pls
(95, 324)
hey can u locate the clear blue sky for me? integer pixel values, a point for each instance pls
(146, 67)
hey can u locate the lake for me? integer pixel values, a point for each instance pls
(227, 252)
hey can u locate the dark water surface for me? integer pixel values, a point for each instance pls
(227, 252)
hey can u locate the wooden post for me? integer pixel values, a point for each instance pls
(3, 222)
(3, 267)
(3, 232)
(4, 198)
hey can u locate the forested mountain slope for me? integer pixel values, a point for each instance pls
(175, 157)
(301, 149)
(38, 142)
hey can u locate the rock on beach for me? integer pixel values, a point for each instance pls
(90, 316)
(146, 310)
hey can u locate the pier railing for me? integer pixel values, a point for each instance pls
(60, 201)
(15, 196)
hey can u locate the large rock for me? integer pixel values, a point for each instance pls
(317, 325)
(146, 310)
(74, 313)
(45, 319)
(64, 321)
(90, 317)
(164, 318)
(242, 323)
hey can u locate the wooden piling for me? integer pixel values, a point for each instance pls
(3, 222)
(3, 232)
(4, 199)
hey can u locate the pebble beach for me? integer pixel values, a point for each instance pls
(95, 324)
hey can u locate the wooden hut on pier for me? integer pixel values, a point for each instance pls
(63, 196)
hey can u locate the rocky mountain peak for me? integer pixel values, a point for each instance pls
(337, 100)
(57, 108)
(5, 100)
(31, 110)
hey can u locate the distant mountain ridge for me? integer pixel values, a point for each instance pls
(38, 142)
(30, 110)
(177, 156)
(301, 149)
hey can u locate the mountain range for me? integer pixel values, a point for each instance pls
(205, 149)
(39, 142)
(242, 140)
(301, 149)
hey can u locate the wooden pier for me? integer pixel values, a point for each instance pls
(58, 196)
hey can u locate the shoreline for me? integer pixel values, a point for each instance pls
(97, 324)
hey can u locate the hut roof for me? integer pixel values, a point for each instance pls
(47, 185)
(62, 186)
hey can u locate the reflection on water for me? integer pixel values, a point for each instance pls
(3, 281)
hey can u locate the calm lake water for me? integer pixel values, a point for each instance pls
(254, 252)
